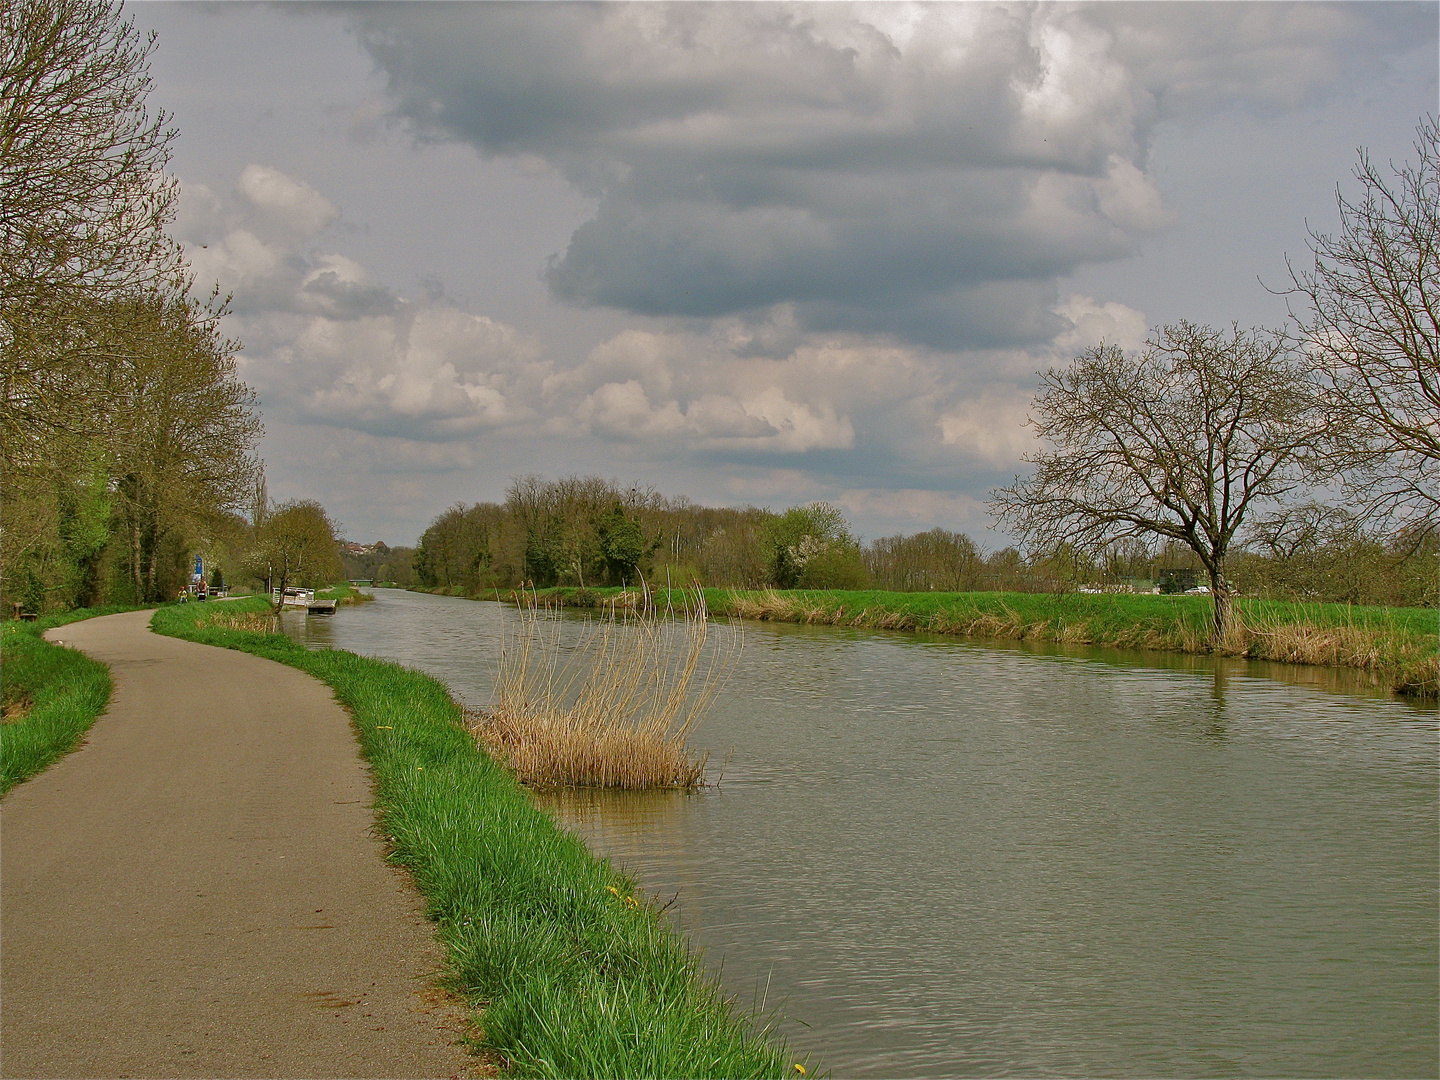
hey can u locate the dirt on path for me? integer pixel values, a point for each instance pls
(199, 891)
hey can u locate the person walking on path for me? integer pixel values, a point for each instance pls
(198, 890)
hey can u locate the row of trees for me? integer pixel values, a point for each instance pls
(585, 531)
(591, 531)
(126, 435)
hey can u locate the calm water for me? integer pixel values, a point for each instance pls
(939, 859)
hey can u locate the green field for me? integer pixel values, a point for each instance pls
(575, 972)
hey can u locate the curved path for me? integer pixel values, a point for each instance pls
(198, 891)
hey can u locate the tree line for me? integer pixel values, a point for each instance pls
(127, 438)
(589, 531)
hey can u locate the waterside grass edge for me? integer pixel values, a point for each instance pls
(52, 694)
(575, 973)
(1400, 647)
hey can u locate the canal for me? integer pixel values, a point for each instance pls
(928, 857)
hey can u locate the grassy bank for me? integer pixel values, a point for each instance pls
(576, 974)
(344, 593)
(51, 695)
(1398, 645)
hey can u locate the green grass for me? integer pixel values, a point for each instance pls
(577, 976)
(1108, 616)
(344, 593)
(1397, 645)
(52, 695)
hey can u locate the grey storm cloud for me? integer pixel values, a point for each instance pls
(341, 299)
(921, 170)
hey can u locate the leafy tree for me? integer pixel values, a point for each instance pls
(1374, 323)
(120, 411)
(458, 548)
(83, 206)
(183, 428)
(297, 546)
(56, 535)
(1181, 441)
(811, 546)
(84, 506)
(622, 545)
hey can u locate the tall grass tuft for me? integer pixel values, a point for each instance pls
(618, 712)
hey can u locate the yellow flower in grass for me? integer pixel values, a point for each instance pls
(800, 1068)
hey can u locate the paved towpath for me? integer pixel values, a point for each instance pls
(198, 891)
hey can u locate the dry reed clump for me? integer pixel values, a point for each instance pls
(1422, 680)
(1410, 663)
(1076, 633)
(981, 624)
(1342, 646)
(770, 606)
(618, 711)
(892, 620)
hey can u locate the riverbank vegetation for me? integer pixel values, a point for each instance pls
(617, 709)
(576, 974)
(1396, 645)
(52, 694)
(554, 533)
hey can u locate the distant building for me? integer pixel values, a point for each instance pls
(350, 547)
(1178, 579)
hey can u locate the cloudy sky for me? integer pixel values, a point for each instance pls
(751, 253)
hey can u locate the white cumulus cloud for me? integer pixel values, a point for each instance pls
(326, 341)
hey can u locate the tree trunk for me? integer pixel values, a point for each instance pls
(284, 580)
(153, 543)
(135, 559)
(1222, 632)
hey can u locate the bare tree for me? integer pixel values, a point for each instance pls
(1181, 441)
(1374, 324)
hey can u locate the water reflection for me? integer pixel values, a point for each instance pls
(948, 859)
